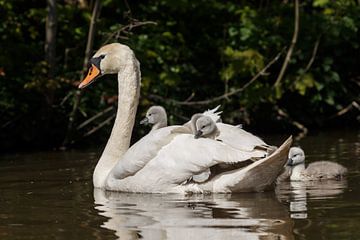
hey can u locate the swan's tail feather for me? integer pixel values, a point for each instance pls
(213, 114)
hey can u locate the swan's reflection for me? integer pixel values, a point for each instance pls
(250, 216)
(297, 192)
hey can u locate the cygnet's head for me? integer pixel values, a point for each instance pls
(205, 127)
(109, 59)
(296, 156)
(155, 115)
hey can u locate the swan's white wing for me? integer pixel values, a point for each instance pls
(238, 138)
(213, 114)
(139, 154)
(177, 161)
(166, 175)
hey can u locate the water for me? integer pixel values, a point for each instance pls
(49, 195)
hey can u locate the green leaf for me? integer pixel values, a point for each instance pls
(320, 3)
(306, 82)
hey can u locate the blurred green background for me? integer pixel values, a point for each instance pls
(189, 51)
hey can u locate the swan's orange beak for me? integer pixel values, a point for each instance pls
(93, 74)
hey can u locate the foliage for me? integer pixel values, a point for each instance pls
(205, 48)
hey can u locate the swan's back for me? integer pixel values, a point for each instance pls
(325, 170)
(238, 138)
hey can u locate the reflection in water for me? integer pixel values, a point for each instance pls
(298, 209)
(296, 193)
(49, 195)
(152, 216)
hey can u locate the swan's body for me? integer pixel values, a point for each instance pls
(155, 116)
(162, 160)
(315, 171)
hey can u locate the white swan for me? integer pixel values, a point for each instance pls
(162, 160)
(155, 116)
(315, 171)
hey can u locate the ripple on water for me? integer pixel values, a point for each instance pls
(49, 195)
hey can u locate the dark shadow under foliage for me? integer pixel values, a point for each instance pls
(201, 49)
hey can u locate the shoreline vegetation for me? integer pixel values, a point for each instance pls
(291, 65)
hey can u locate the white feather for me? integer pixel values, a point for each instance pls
(177, 161)
(215, 116)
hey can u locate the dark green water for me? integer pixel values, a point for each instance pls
(49, 195)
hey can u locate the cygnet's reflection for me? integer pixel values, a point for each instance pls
(298, 192)
(155, 216)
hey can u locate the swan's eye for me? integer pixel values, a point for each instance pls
(203, 127)
(102, 56)
(149, 114)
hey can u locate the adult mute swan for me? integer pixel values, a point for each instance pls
(161, 161)
(320, 170)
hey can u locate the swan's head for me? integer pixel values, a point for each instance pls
(193, 120)
(109, 59)
(296, 156)
(205, 127)
(154, 115)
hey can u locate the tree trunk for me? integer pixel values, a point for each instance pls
(91, 35)
(292, 44)
(50, 39)
(89, 48)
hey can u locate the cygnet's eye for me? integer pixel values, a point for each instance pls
(149, 114)
(203, 126)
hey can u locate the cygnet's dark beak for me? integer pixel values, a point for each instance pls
(145, 121)
(289, 162)
(198, 134)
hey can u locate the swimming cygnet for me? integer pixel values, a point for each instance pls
(155, 116)
(315, 171)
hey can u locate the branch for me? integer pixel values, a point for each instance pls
(313, 55)
(127, 28)
(88, 50)
(107, 121)
(133, 23)
(292, 45)
(224, 96)
(311, 61)
(346, 109)
(356, 82)
(295, 123)
(100, 114)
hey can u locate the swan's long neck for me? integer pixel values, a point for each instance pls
(297, 171)
(161, 124)
(119, 141)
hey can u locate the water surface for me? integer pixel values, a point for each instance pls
(49, 195)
